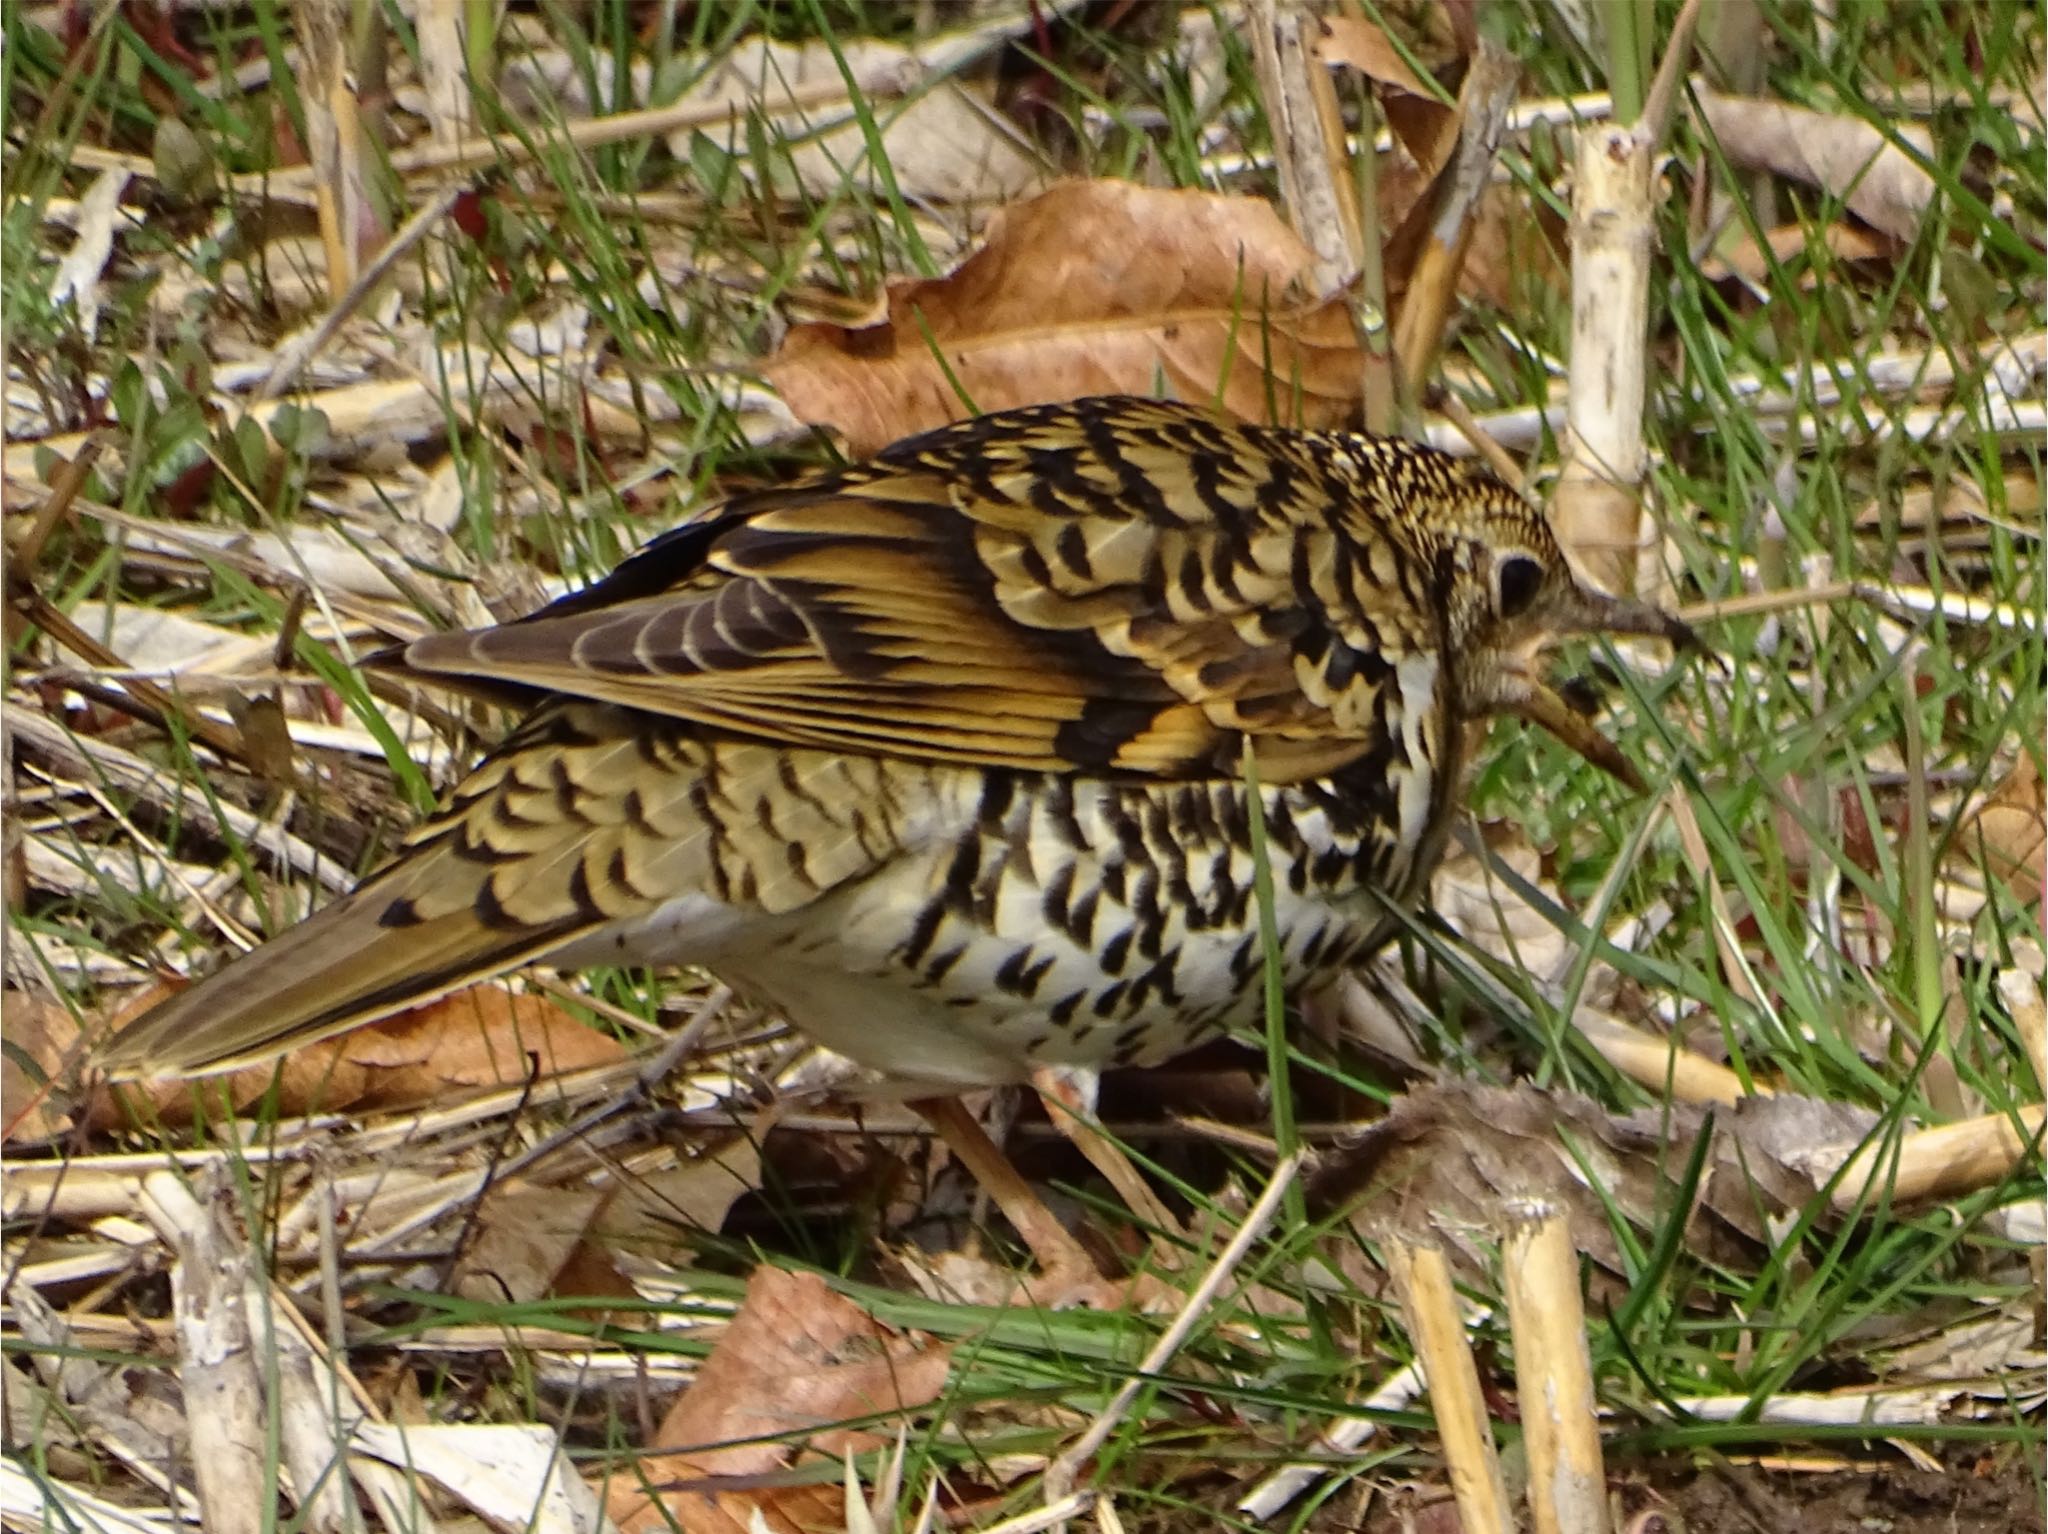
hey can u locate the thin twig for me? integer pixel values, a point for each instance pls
(1060, 1474)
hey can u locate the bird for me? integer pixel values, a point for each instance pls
(944, 755)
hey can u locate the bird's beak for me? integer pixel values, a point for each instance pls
(1537, 702)
(1594, 612)
(1525, 694)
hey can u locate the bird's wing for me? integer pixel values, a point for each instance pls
(1134, 589)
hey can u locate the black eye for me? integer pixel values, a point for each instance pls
(1520, 579)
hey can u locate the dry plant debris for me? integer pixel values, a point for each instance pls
(638, 268)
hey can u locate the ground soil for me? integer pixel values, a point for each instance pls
(1991, 1491)
(1997, 1490)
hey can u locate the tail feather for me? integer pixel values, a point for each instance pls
(341, 968)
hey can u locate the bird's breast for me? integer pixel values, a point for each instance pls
(1033, 919)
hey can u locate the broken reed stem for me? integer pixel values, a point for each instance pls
(1553, 1372)
(1484, 103)
(1330, 203)
(1596, 511)
(1430, 1305)
(1943, 1162)
(1301, 106)
(217, 1365)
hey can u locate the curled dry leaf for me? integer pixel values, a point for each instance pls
(1844, 156)
(795, 1360)
(1426, 126)
(1091, 287)
(1445, 1161)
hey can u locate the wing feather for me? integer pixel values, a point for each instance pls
(998, 594)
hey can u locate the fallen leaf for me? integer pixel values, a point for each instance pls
(486, 1036)
(1446, 1159)
(1426, 125)
(516, 1475)
(39, 1056)
(1091, 287)
(797, 1359)
(2008, 835)
(941, 137)
(649, 1209)
(1744, 256)
(483, 1037)
(525, 1239)
(1844, 156)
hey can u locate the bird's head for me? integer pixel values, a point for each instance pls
(1512, 595)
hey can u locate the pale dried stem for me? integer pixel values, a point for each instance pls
(1060, 1474)
(2021, 994)
(1325, 201)
(1553, 1373)
(1340, 1438)
(1661, 1064)
(97, 761)
(1944, 1162)
(1300, 106)
(1429, 1303)
(332, 149)
(443, 70)
(1595, 511)
(1484, 102)
(217, 1365)
(1734, 967)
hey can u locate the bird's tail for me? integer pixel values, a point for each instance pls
(363, 958)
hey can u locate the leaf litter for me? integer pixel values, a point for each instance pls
(389, 1145)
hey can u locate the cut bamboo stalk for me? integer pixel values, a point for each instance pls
(1430, 1305)
(1596, 511)
(1553, 1372)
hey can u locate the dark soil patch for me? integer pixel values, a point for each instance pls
(1996, 1490)
(1992, 1491)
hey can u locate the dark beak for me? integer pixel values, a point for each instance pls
(1591, 612)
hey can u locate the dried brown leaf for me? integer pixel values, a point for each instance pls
(40, 1056)
(650, 1209)
(485, 1036)
(530, 1241)
(2009, 833)
(1752, 260)
(1845, 156)
(795, 1360)
(1445, 1161)
(1092, 287)
(1426, 126)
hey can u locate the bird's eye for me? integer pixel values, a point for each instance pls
(1520, 578)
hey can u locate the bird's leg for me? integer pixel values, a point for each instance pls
(1072, 1113)
(1066, 1272)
